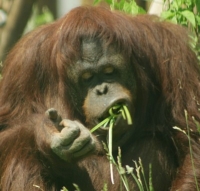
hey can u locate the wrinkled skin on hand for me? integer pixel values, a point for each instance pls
(74, 141)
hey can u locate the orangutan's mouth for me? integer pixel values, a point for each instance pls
(112, 115)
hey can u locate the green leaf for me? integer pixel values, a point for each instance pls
(175, 5)
(114, 112)
(198, 19)
(167, 15)
(121, 4)
(127, 8)
(174, 19)
(99, 125)
(189, 16)
(45, 17)
(189, 3)
(96, 1)
(141, 10)
(128, 116)
(198, 5)
(178, 3)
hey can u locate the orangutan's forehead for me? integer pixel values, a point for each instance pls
(93, 49)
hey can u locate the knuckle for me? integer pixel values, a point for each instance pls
(55, 141)
(70, 131)
(73, 141)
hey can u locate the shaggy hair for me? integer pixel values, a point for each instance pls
(34, 79)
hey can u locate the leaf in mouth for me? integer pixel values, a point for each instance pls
(114, 112)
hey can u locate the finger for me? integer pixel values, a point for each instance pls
(52, 114)
(84, 138)
(69, 123)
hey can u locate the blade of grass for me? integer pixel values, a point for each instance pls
(114, 112)
(191, 150)
(128, 116)
(100, 124)
(110, 150)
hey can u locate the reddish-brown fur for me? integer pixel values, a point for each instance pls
(34, 79)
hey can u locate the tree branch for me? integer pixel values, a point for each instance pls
(15, 24)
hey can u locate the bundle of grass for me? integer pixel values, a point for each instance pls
(114, 112)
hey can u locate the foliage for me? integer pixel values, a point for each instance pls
(39, 18)
(185, 13)
(128, 6)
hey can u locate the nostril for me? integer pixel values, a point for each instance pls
(101, 89)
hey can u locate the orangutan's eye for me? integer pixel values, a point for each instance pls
(108, 70)
(87, 76)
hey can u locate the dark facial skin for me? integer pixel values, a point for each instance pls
(99, 80)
